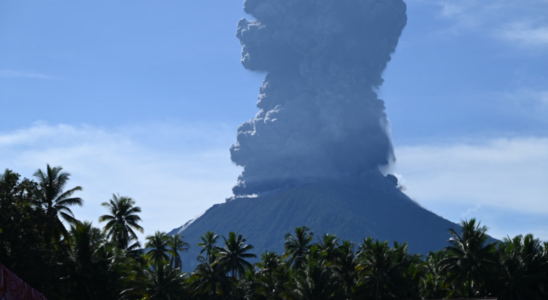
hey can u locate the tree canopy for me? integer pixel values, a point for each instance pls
(85, 262)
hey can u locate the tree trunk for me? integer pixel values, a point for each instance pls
(469, 284)
(87, 289)
(233, 284)
(377, 294)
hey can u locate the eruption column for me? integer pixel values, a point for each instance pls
(319, 116)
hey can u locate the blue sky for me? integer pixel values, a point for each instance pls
(143, 98)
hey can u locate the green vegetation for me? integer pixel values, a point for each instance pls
(85, 262)
(122, 220)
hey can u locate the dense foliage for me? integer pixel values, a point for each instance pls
(64, 258)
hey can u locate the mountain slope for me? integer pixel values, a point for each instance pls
(351, 211)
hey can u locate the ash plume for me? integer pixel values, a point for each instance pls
(319, 117)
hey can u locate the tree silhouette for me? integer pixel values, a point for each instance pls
(121, 221)
(313, 281)
(298, 246)
(176, 245)
(523, 268)
(55, 199)
(158, 245)
(470, 256)
(209, 279)
(208, 244)
(232, 257)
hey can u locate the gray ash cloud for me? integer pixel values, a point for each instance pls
(319, 117)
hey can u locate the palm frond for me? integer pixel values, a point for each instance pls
(70, 219)
(71, 201)
(69, 193)
(106, 218)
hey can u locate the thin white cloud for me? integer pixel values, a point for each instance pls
(177, 171)
(505, 173)
(522, 23)
(24, 74)
(470, 210)
(170, 183)
(501, 182)
(526, 34)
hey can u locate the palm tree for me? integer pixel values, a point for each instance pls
(208, 244)
(432, 285)
(403, 278)
(158, 245)
(523, 268)
(470, 256)
(270, 261)
(177, 245)
(232, 257)
(134, 280)
(247, 285)
(121, 221)
(55, 199)
(328, 247)
(344, 267)
(374, 260)
(314, 281)
(209, 279)
(85, 241)
(8, 184)
(271, 275)
(164, 282)
(298, 246)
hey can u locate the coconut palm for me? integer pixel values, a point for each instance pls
(328, 248)
(403, 274)
(298, 246)
(232, 257)
(469, 257)
(134, 279)
(344, 268)
(8, 185)
(85, 241)
(271, 275)
(164, 282)
(432, 285)
(208, 244)
(270, 261)
(176, 245)
(55, 199)
(121, 221)
(314, 281)
(247, 285)
(209, 279)
(374, 260)
(158, 245)
(523, 268)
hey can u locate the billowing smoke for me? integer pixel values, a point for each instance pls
(319, 116)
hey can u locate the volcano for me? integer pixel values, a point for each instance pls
(311, 156)
(352, 211)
